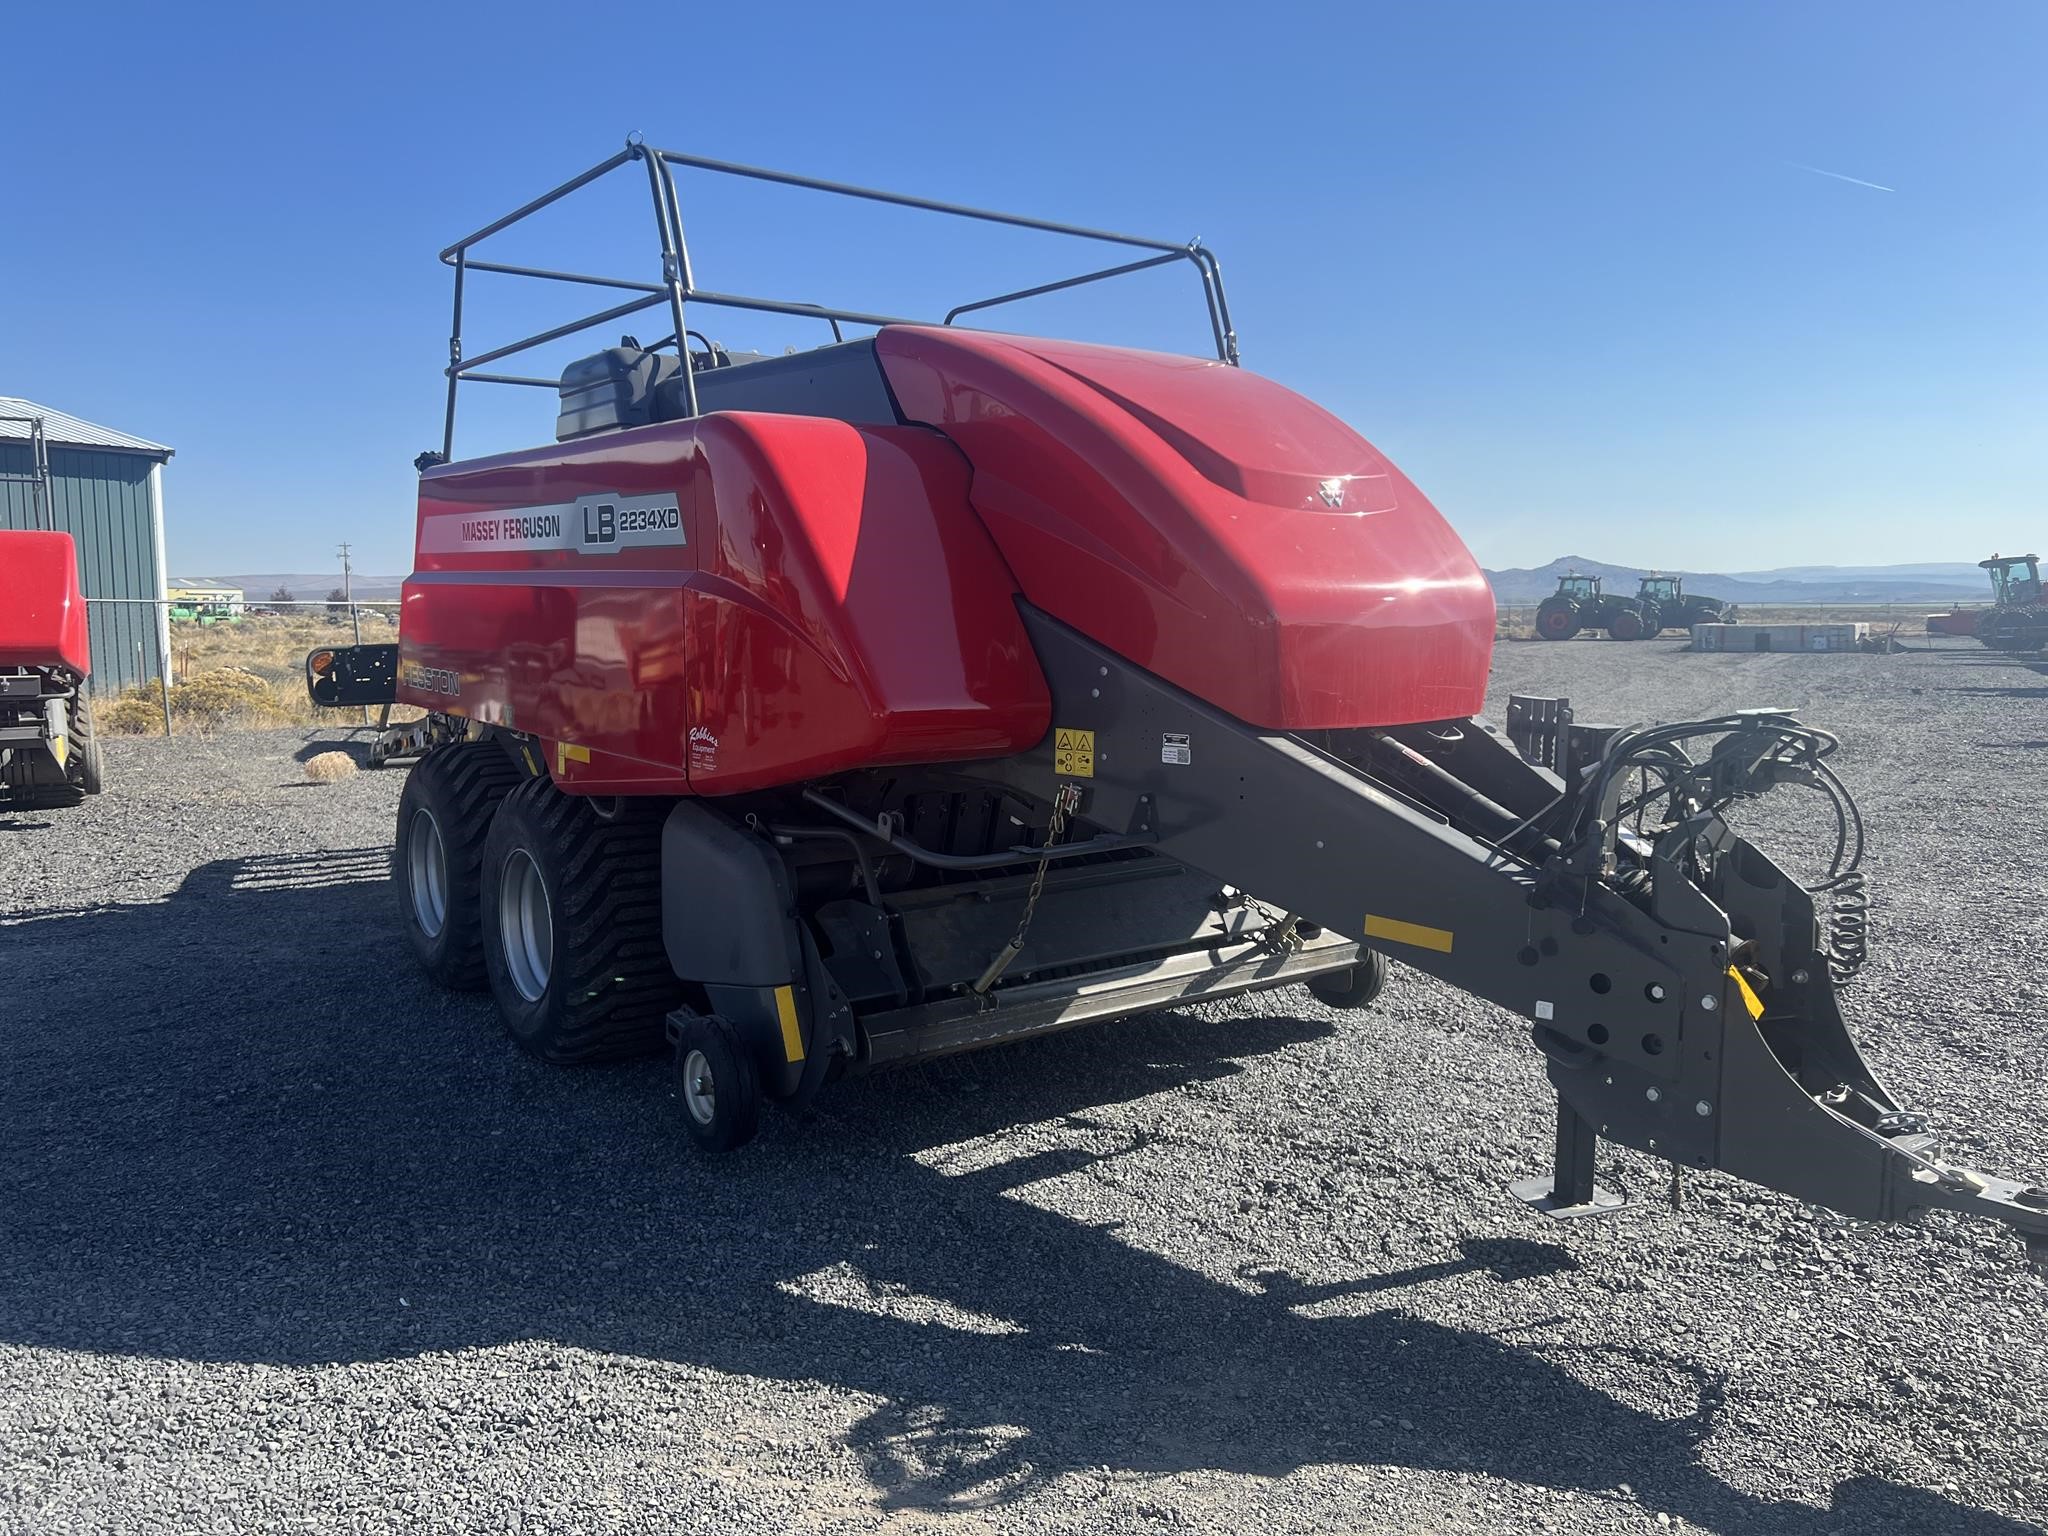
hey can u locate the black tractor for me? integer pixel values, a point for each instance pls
(2018, 620)
(1578, 603)
(1666, 605)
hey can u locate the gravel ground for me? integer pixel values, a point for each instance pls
(290, 1241)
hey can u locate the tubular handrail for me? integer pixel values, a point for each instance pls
(678, 286)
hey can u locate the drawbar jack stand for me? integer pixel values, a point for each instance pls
(1570, 1190)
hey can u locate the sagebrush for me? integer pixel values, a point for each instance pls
(243, 676)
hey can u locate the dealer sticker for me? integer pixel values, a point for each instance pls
(1174, 748)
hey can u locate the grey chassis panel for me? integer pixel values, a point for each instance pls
(728, 915)
(729, 922)
(1301, 830)
(1038, 1008)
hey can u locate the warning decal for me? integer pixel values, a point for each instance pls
(1073, 753)
(1174, 748)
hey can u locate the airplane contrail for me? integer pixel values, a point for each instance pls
(1854, 181)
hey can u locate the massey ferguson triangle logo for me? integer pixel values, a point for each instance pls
(1332, 492)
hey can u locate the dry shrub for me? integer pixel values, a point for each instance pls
(229, 696)
(330, 766)
(136, 711)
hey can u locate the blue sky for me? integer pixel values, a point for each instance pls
(1560, 262)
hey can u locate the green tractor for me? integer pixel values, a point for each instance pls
(1578, 603)
(1667, 607)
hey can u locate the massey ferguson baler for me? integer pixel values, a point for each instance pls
(941, 687)
(48, 752)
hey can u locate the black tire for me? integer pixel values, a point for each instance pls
(450, 795)
(88, 768)
(1556, 620)
(33, 780)
(1355, 988)
(2003, 629)
(571, 906)
(718, 1086)
(1653, 621)
(1627, 625)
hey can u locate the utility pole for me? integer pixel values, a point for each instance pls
(355, 619)
(348, 594)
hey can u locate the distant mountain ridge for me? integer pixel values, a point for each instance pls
(312, 587)
(1941, 583)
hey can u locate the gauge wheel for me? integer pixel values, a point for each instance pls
(718, 1086)
(1355, 988)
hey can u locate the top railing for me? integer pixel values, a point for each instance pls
(678, 289)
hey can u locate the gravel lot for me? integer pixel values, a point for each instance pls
(290, 1241)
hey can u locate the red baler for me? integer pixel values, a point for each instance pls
(939, 687)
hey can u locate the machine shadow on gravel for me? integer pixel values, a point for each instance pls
(240, 1138)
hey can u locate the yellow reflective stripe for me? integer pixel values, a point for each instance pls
(792, 1037)
(1421, 935)
(1750, 1000)
(568, 752)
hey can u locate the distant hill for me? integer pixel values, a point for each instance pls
(1789, 586)
(1964, 571)
(314, 587)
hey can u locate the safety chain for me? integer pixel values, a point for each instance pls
(1065, 801)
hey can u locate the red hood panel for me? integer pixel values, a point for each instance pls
(1180, 512)
(42, 614)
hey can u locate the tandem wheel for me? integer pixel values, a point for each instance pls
(444, 815)
(718, 1087)
(570, 901)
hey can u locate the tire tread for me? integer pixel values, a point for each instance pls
(613, 965)
(472, 779)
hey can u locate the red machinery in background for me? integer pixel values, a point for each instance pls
(2016, 620)
(48, 751)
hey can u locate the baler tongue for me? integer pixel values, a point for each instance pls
(1804, 1114)
(1679, 982)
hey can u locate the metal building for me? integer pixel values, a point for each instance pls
(105, 489)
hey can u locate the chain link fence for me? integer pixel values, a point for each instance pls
(265, 641)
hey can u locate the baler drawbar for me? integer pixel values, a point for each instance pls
(935, 688)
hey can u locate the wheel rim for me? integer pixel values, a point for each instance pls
(526, 925)
(426, 864)
(700, 1089)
